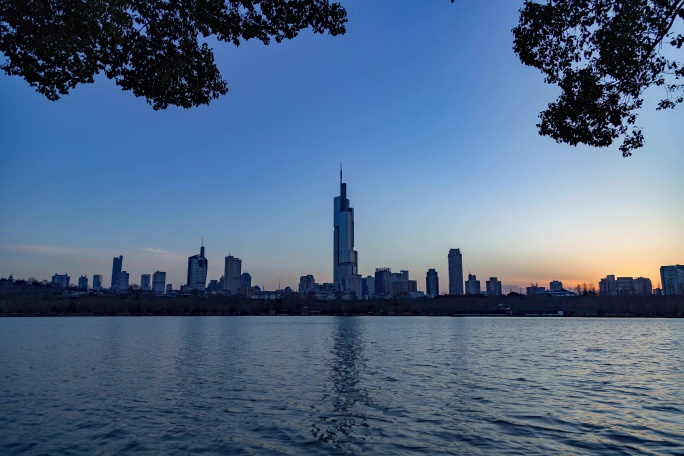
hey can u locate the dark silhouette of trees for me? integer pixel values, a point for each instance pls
(156, 48)
(602, 55)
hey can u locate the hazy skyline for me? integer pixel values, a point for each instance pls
(433, 117)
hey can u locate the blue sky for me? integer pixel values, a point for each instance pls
(426, 106)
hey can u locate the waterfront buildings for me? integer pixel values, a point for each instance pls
(556, 285)
(493, 287)
(535, 289)
(145, 282)
(345, 258)
(231, 274)
(307, 284)
(83, 283)
(455, 272)
(60, 280)
(198, 266)
(431, 283)
(97, 282)
(672, 279)
(472, 285)
(122, 283)
(245, 280)
(158, 282)
(610, 286)
(382, 282)
(368, 286)
(116, 270)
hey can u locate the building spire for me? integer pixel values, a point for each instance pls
(340, 173)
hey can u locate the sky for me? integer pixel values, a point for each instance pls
(429, 111)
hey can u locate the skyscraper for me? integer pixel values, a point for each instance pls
(345, 258)
(432, 283)
(158, 282)
(672, 278)
(116, 270)
(97, 282)
(145, 282)
(198, 266)
(473, 285)
(231, 273)
(493, 287)
(83, 283)
(455, 272)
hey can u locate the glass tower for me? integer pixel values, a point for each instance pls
(345, 258)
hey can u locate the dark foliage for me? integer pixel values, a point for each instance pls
(602, 54)
(155, 48)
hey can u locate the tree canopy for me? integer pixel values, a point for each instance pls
(602, 54)
(155, 48)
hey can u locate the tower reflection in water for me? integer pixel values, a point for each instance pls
(341, 415)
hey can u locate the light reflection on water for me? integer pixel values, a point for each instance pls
(177, 385)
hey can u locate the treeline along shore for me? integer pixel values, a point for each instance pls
(54, 303)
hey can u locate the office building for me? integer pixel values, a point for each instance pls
(353, 285)
(83, 283)
(455, 272)
(432, 284)
(158, 282)
(198, 266)
(307, 284)
(368, 286)
(472, 285)
(61, 280)
(345, 258)
(117, 266)
(245, 280)
(672, 279)
(232, 271)
(535, 289)
(382, 282)
(556, 285)
(145, 282)
(622, 286)
(97, 282)
(493, 287)
(122, 283)
(169, 289)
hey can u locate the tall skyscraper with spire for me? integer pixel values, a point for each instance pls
(345, 258)
(198, 267)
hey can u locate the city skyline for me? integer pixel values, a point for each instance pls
(436, 132)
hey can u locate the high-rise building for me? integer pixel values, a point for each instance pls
(145, 282)
(382, 282)
(672, 279)
(556, 285)
(307, 284)
(61, 280)
(368, 286)
(353, 284)
(472, 285)
(158, 282)
(232, 271)
(345, 258)
(455, 272)
(122, 283)
(97, 282)
(198, 266)
(610, 286)
(493, 287)
(245, 280)
(117, 266)
(83, 283)
(535, 289)
(432, 284)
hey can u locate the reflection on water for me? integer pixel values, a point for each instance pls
(321, 385)
(342, 422)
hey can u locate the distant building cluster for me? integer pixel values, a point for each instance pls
(349, 284)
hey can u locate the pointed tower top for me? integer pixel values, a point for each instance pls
(340, 173)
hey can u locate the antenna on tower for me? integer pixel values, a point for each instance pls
(340, 173)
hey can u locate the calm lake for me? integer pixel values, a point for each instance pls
(335, 385)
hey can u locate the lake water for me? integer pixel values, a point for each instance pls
(293, 385)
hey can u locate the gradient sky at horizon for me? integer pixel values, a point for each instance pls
(431, 114)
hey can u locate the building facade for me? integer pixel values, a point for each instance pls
(493, 287)
(122, 283)
(455, 272)
(117, 266)
(672, 279)
(231, 273)
(83, 283)
(556, 285)
(432, 284)
(145, 284)
(97, 282)
(198, 267)
(345, 258)
(472, 285)
(624, 286)
(159, 282)
(61, 280)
